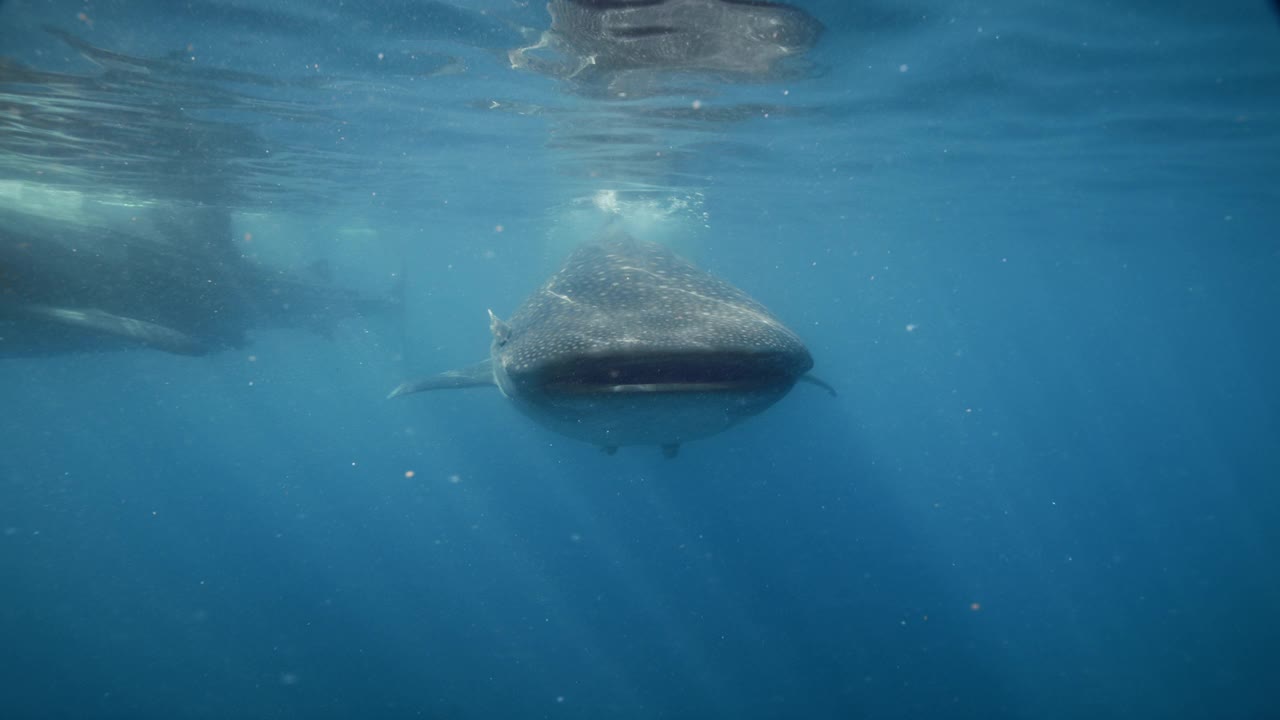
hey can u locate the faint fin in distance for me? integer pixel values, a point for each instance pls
(477, 375)
(813, 380)
(321, 269)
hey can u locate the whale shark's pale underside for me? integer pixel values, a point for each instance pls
(630, 344)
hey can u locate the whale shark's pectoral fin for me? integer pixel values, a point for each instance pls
(471, 376)
(812, 380)
(143, 332)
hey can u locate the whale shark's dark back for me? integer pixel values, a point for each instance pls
(624, 312)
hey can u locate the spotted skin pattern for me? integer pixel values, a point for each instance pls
(621, 296)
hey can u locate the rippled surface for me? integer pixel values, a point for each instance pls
(313, 103)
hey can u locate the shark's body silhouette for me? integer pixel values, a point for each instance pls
(67, 287)
(630, 344)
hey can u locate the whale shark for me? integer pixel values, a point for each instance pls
(631, 344)
(71, 287)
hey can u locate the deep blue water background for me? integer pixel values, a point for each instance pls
(1035, 248)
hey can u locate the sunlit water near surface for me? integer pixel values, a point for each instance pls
(1032, 244)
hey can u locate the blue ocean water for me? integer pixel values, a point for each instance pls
(1032, 245)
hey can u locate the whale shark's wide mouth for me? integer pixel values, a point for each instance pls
(667, 372)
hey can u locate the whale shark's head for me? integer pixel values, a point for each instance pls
(739, 36)
(624, 315)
